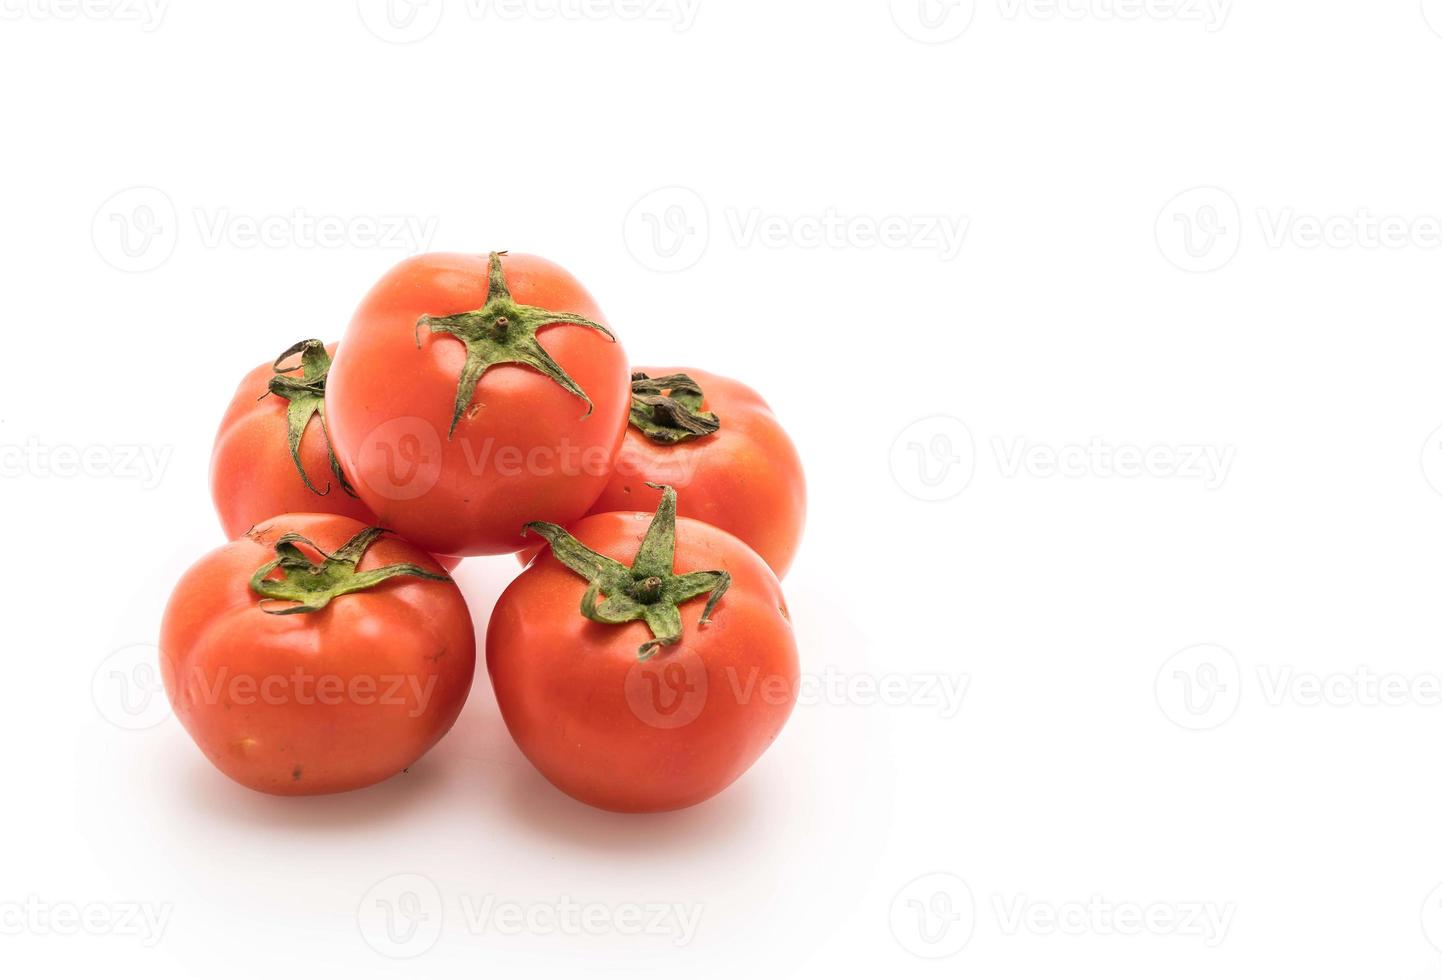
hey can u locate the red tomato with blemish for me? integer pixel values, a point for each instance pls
(292, 690)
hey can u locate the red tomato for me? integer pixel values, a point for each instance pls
(458, 421)
(652, 714)
(253, 474)
(743, 476)
(344, 673)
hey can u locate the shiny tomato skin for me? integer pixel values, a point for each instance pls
(633, 736)
(319, 702)
(745, 478)
(252, 475)
(523, 450)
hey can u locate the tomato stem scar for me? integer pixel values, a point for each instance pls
(312, 585)
(650, 589)
(504, 332)
(667, 410)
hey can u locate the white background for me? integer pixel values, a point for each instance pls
(1182, 440)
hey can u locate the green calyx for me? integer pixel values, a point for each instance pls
(649, 589)
(306, 395)
(504, 332)
(668, 410)
(311, 586)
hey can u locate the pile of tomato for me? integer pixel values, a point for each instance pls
(642, 659)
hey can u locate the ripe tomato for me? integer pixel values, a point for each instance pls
(649, 700)
(457, 420)
(314, 655)
(272, 454)
(717, 442)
